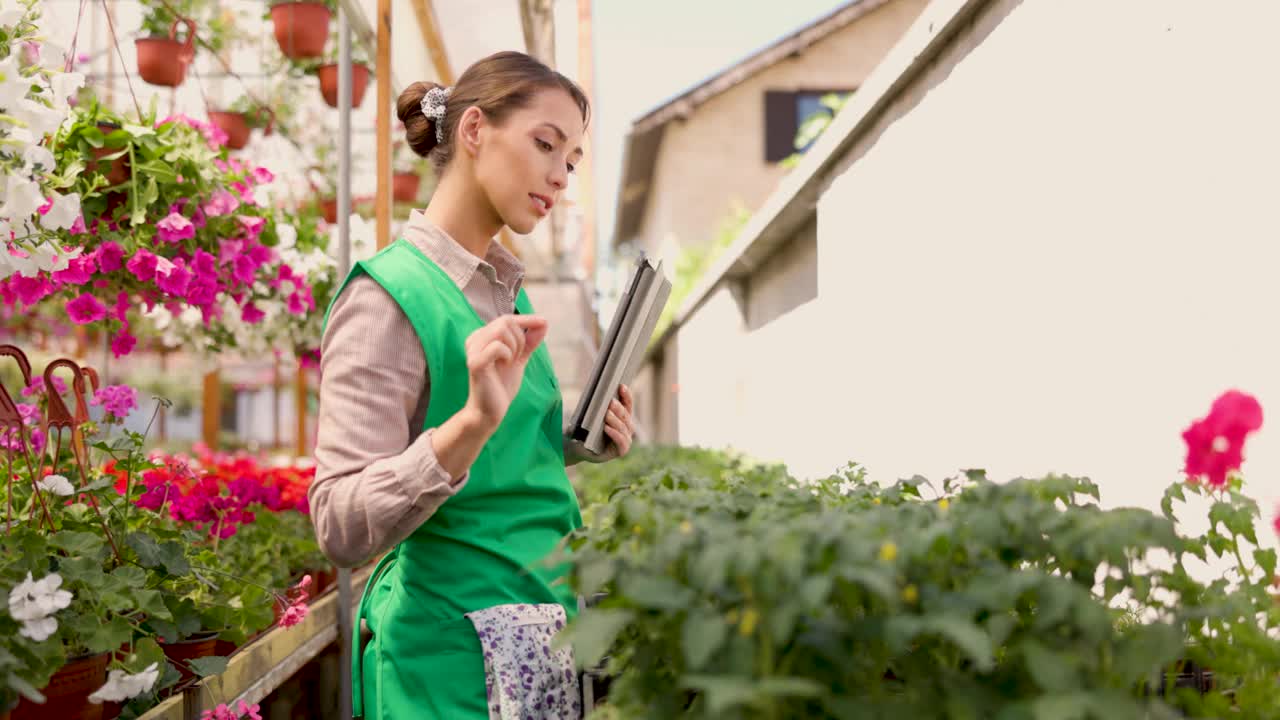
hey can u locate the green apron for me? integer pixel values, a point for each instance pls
(486, 545)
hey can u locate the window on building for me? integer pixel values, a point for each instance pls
(785, 115)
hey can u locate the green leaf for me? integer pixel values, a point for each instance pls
(592, 633)
(1051, 671)
(77, 543)
(206, 666)
(131, 575)
(1173, 492)
(722, 692)
(107, 636)
(1074, 706)
(152, 603)
(876, 582)
(173, 557)
(702, 635)
(594, 575)
(1266, 560)
(654, 591)
(966, 636)
(147, 548)
(145, 652)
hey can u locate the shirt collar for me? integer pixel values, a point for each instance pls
(461, 266)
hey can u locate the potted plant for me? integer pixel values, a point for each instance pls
(163, 59)
(408, 169)
(301, 28)
(327, 72)
(235, 124)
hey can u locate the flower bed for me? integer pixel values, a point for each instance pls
(157, 565)
(730, 590)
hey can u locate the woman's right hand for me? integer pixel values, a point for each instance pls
(496, 358)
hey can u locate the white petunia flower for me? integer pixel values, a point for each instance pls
(56, 484)
(65, 85)
(40, 118)
(288, 235)
(22, 199)
(40, 629)
(122, 686)
(63, 214)
(38, 599)
(38, 157)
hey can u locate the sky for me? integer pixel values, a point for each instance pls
(649, 51)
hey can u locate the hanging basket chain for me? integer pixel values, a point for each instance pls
(116, 41)
(226, 67)
(68, 62)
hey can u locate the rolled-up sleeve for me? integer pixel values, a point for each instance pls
(377, 480)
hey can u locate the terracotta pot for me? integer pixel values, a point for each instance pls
(164, 61)
(189, 649)
(329, 208)
(67, 694)
(404, 186)
(234, 124)
(301, 28)
(328, 75)
(119, 170)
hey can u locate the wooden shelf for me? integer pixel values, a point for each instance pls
(257, 669)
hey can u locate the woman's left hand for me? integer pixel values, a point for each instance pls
(620, 424)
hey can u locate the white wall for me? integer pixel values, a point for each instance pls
(1053, 263)
(1063, 254)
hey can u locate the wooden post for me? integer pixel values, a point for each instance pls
(275, 405)
(586, 168)
(383, 200)
(211, 408)
(301, 439)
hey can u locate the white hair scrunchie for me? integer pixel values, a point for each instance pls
(433, 108)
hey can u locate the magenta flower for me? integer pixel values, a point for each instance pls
(121, 308)
(251, 314)
(143, 265)
(175, 282)
(228, 250)
(175, 228)
(261, 254)
(252, 225)
(222, 203)
(123, 343)
(1215, 443)
(37, 386)
(77, 227)
(79, 270)
(244, 268)
(110, 257)
(117, 400)
(204, 265)
(262, 176)
(86, 309)
(31, 290)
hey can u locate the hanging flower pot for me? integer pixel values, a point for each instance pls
(328, 75)
(329, 209)
(404, 186)
(301, 28)
(234, 124)
(118, 172)
(67, 695)
(164, 61)
(194, 647)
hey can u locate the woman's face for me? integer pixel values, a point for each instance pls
(523, 165)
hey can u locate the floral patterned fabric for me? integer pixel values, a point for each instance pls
(526, 678)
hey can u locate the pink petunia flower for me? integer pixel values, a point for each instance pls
(143, 265)
(86, 309)
(175, 228)
(1215, 443)
(110, 257)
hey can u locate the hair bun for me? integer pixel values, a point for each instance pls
(419, 130)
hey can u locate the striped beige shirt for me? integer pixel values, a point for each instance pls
(377, 477)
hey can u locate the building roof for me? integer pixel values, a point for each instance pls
(640, 151)
(793, 201)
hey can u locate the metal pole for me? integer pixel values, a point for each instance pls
(344, 266)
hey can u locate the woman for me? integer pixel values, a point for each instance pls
(440, 427)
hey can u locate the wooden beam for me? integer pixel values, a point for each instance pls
(426, 12)
(211, 408)
(382, 209)
(302, 445)
(586, 168)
